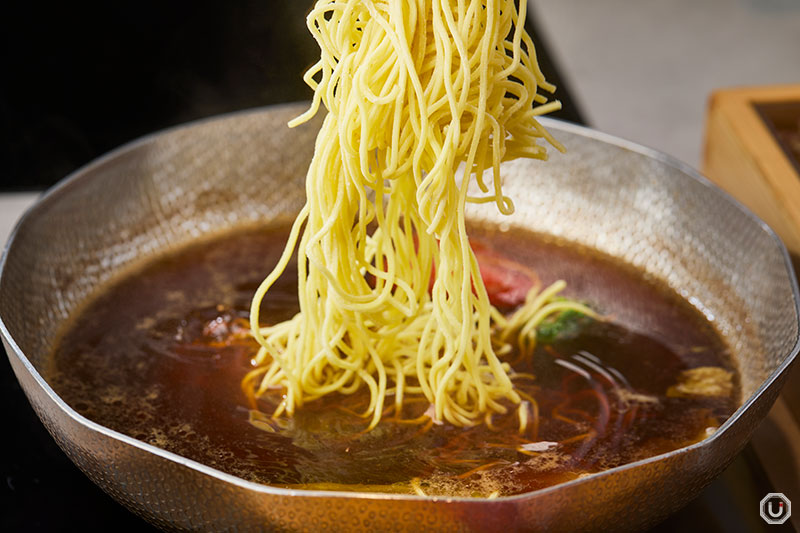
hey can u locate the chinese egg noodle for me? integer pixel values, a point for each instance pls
(424, 98)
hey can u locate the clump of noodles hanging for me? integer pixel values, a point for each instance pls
(415, 90)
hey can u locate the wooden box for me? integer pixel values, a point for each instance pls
(746, 154)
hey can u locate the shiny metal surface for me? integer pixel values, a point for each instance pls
(178, 186)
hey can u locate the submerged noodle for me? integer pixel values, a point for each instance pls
(423, 98)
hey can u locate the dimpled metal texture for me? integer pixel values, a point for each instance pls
(185, 184)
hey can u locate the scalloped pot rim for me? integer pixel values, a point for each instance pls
(74, 180)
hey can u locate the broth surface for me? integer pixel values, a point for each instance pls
(160, 355)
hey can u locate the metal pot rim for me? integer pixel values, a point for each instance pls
(74, 179)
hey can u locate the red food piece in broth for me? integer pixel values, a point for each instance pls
(507, 282)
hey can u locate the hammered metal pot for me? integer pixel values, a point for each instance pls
(171, 188)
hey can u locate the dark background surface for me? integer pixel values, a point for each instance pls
(80, 80)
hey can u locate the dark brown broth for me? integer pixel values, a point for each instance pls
(138, 360)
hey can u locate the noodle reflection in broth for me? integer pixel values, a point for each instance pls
(415, 91)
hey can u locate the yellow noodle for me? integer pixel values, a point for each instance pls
(415, 90)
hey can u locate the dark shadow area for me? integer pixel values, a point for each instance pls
(783, 121)
(80, 79)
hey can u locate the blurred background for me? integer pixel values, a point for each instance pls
(79, 79)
